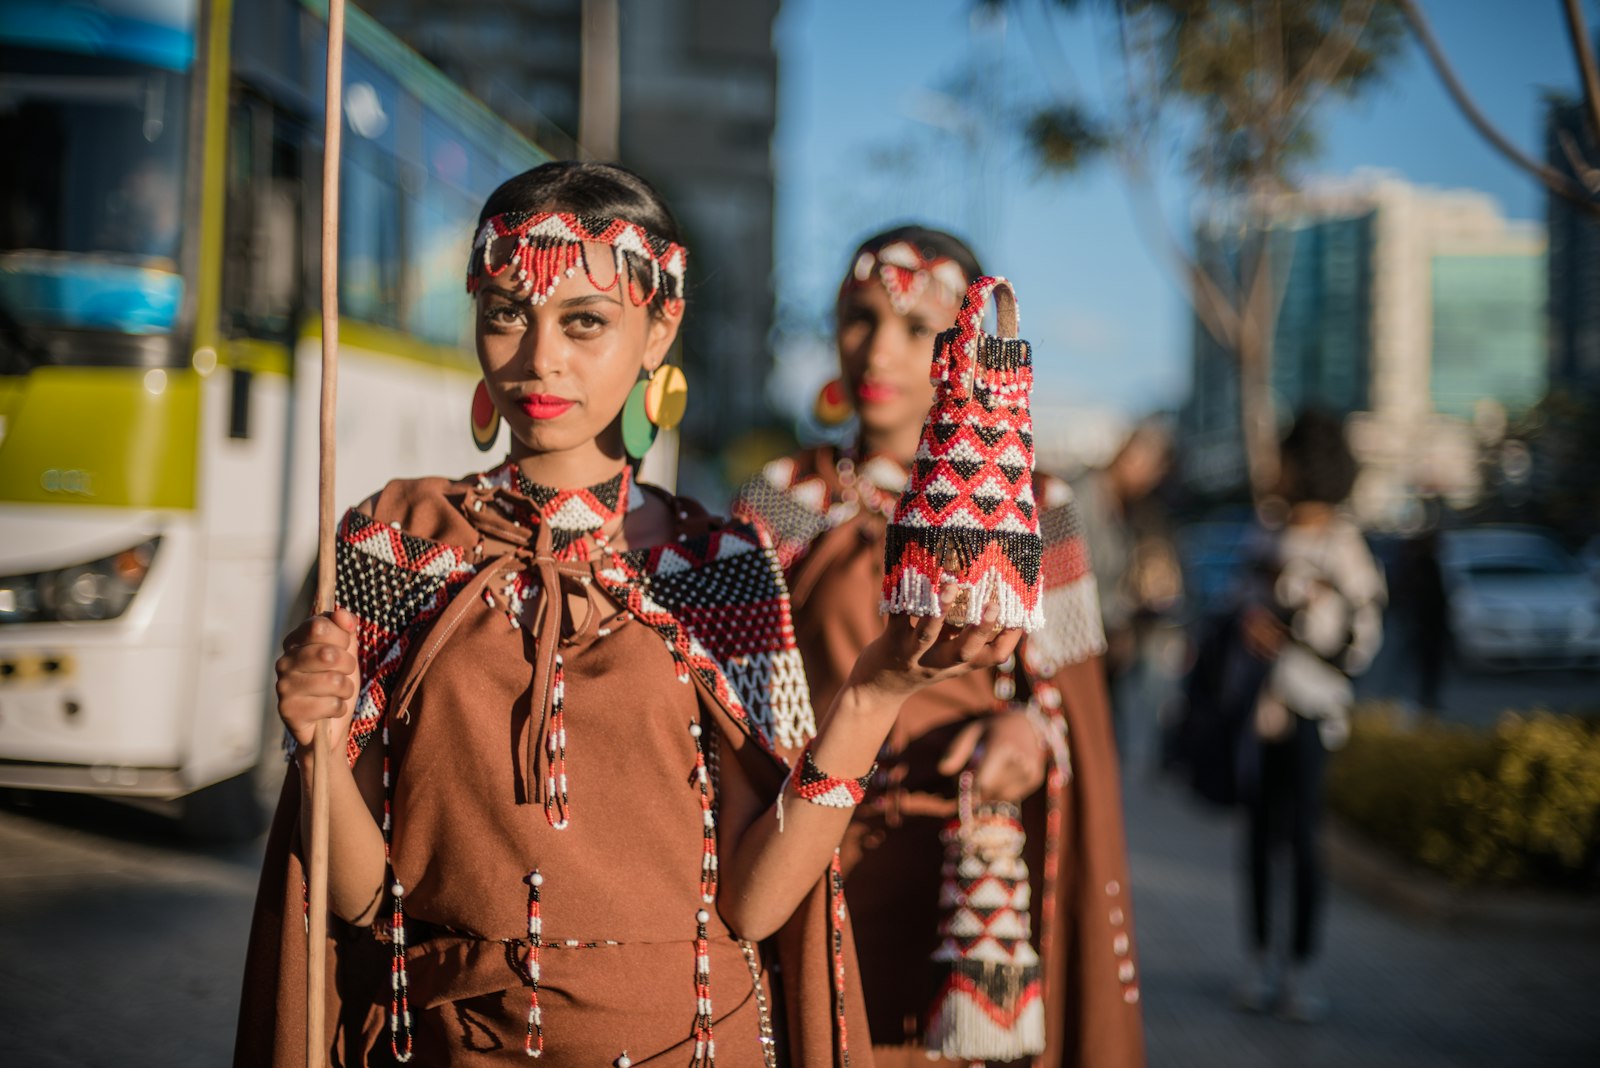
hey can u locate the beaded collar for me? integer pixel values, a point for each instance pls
(577, 518)
(544, 248)
(905, 273)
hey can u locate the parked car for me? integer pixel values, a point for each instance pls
(1518, 599)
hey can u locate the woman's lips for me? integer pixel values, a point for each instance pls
(544, 405)
(875, 393)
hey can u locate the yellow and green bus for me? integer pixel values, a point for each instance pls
(158, 365)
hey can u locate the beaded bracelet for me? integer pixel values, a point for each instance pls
(820, 788)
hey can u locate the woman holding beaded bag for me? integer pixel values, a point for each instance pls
(1032, 732)
(604, 887)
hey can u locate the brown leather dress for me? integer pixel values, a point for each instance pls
(892, 852)
(620, 882)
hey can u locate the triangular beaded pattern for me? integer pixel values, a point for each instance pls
(968, 513)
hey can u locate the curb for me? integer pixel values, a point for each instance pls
(1382, 878)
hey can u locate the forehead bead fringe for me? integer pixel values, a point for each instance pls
(545, 248)
(905, 274)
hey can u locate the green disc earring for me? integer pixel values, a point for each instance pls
(638, 432)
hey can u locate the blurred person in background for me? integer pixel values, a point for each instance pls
(1311, 617)
(504, 883)
(1010, 728)
(1136, 571)
(1422, 606)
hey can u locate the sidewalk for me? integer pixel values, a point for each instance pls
(1403, 995)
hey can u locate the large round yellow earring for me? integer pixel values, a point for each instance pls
(485, 419)
(833, 405)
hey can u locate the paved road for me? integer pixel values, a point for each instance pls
(1402, 995)
(120, 945)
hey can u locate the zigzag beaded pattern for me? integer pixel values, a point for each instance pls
(970, 497)
(396, 585)
(549, 247)
(990, 1004)
(720, 603)
(820, 788)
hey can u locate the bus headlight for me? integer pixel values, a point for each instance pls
(100, 589)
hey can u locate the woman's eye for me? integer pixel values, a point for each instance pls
(504, 315)
(584, 322)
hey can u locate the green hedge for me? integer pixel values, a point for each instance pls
(1520, 803)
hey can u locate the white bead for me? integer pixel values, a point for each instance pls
(623, 1062)
(536, 879)
(694, 730)
(702, 916)
(397, 890)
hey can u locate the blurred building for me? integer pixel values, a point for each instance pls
(1416, 312)
(698, 87)
(1574, 264)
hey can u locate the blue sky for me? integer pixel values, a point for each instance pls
(866, 138)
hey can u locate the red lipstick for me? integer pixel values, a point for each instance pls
(544, 405)
(875, 393)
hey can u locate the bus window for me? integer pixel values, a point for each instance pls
(261, 264)
(440, 219)
(370, 203)
(91, 196)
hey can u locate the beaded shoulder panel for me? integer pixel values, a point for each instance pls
(789, 502)
(396, 585)
(721, 604)
(1072, 629)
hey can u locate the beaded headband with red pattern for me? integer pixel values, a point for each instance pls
(547, 247)
(905, 274)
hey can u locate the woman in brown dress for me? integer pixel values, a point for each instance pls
(572, 705)
(1033, 730)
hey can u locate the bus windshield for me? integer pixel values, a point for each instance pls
(91, 194)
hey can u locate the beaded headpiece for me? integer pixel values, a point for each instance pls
(543, 248)
(905, 273)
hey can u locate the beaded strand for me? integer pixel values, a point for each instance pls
(705, 1043)
(557, 803)
(836, 916)
(533, 1044)
(400, 1036)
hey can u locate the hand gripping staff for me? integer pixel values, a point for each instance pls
(323, 745)
(967, 514)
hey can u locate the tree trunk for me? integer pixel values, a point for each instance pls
(1258, 420)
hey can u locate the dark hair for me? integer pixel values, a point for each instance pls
(1317, 459)
(583, 188)
(928, 241)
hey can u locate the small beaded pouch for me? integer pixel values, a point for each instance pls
(967, 514)
(990, 1005)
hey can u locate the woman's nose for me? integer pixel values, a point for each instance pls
(544, 350)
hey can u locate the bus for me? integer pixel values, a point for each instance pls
(159, 354)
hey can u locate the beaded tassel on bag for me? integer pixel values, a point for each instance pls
(990, 1005)
(968, 515)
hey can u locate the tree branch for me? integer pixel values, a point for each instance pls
(1553, 180)
(1330, 56)
(1584, 54)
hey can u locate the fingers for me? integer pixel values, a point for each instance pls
(318, 658)
(961, 749)
(337, 629)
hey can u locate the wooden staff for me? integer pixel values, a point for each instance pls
(323, 746)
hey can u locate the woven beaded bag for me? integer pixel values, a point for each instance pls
(967, 514)
(990, 1004)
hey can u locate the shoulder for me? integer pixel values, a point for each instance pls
(422, 508)
(789, 500)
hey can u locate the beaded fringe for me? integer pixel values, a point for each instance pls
(915, 594)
